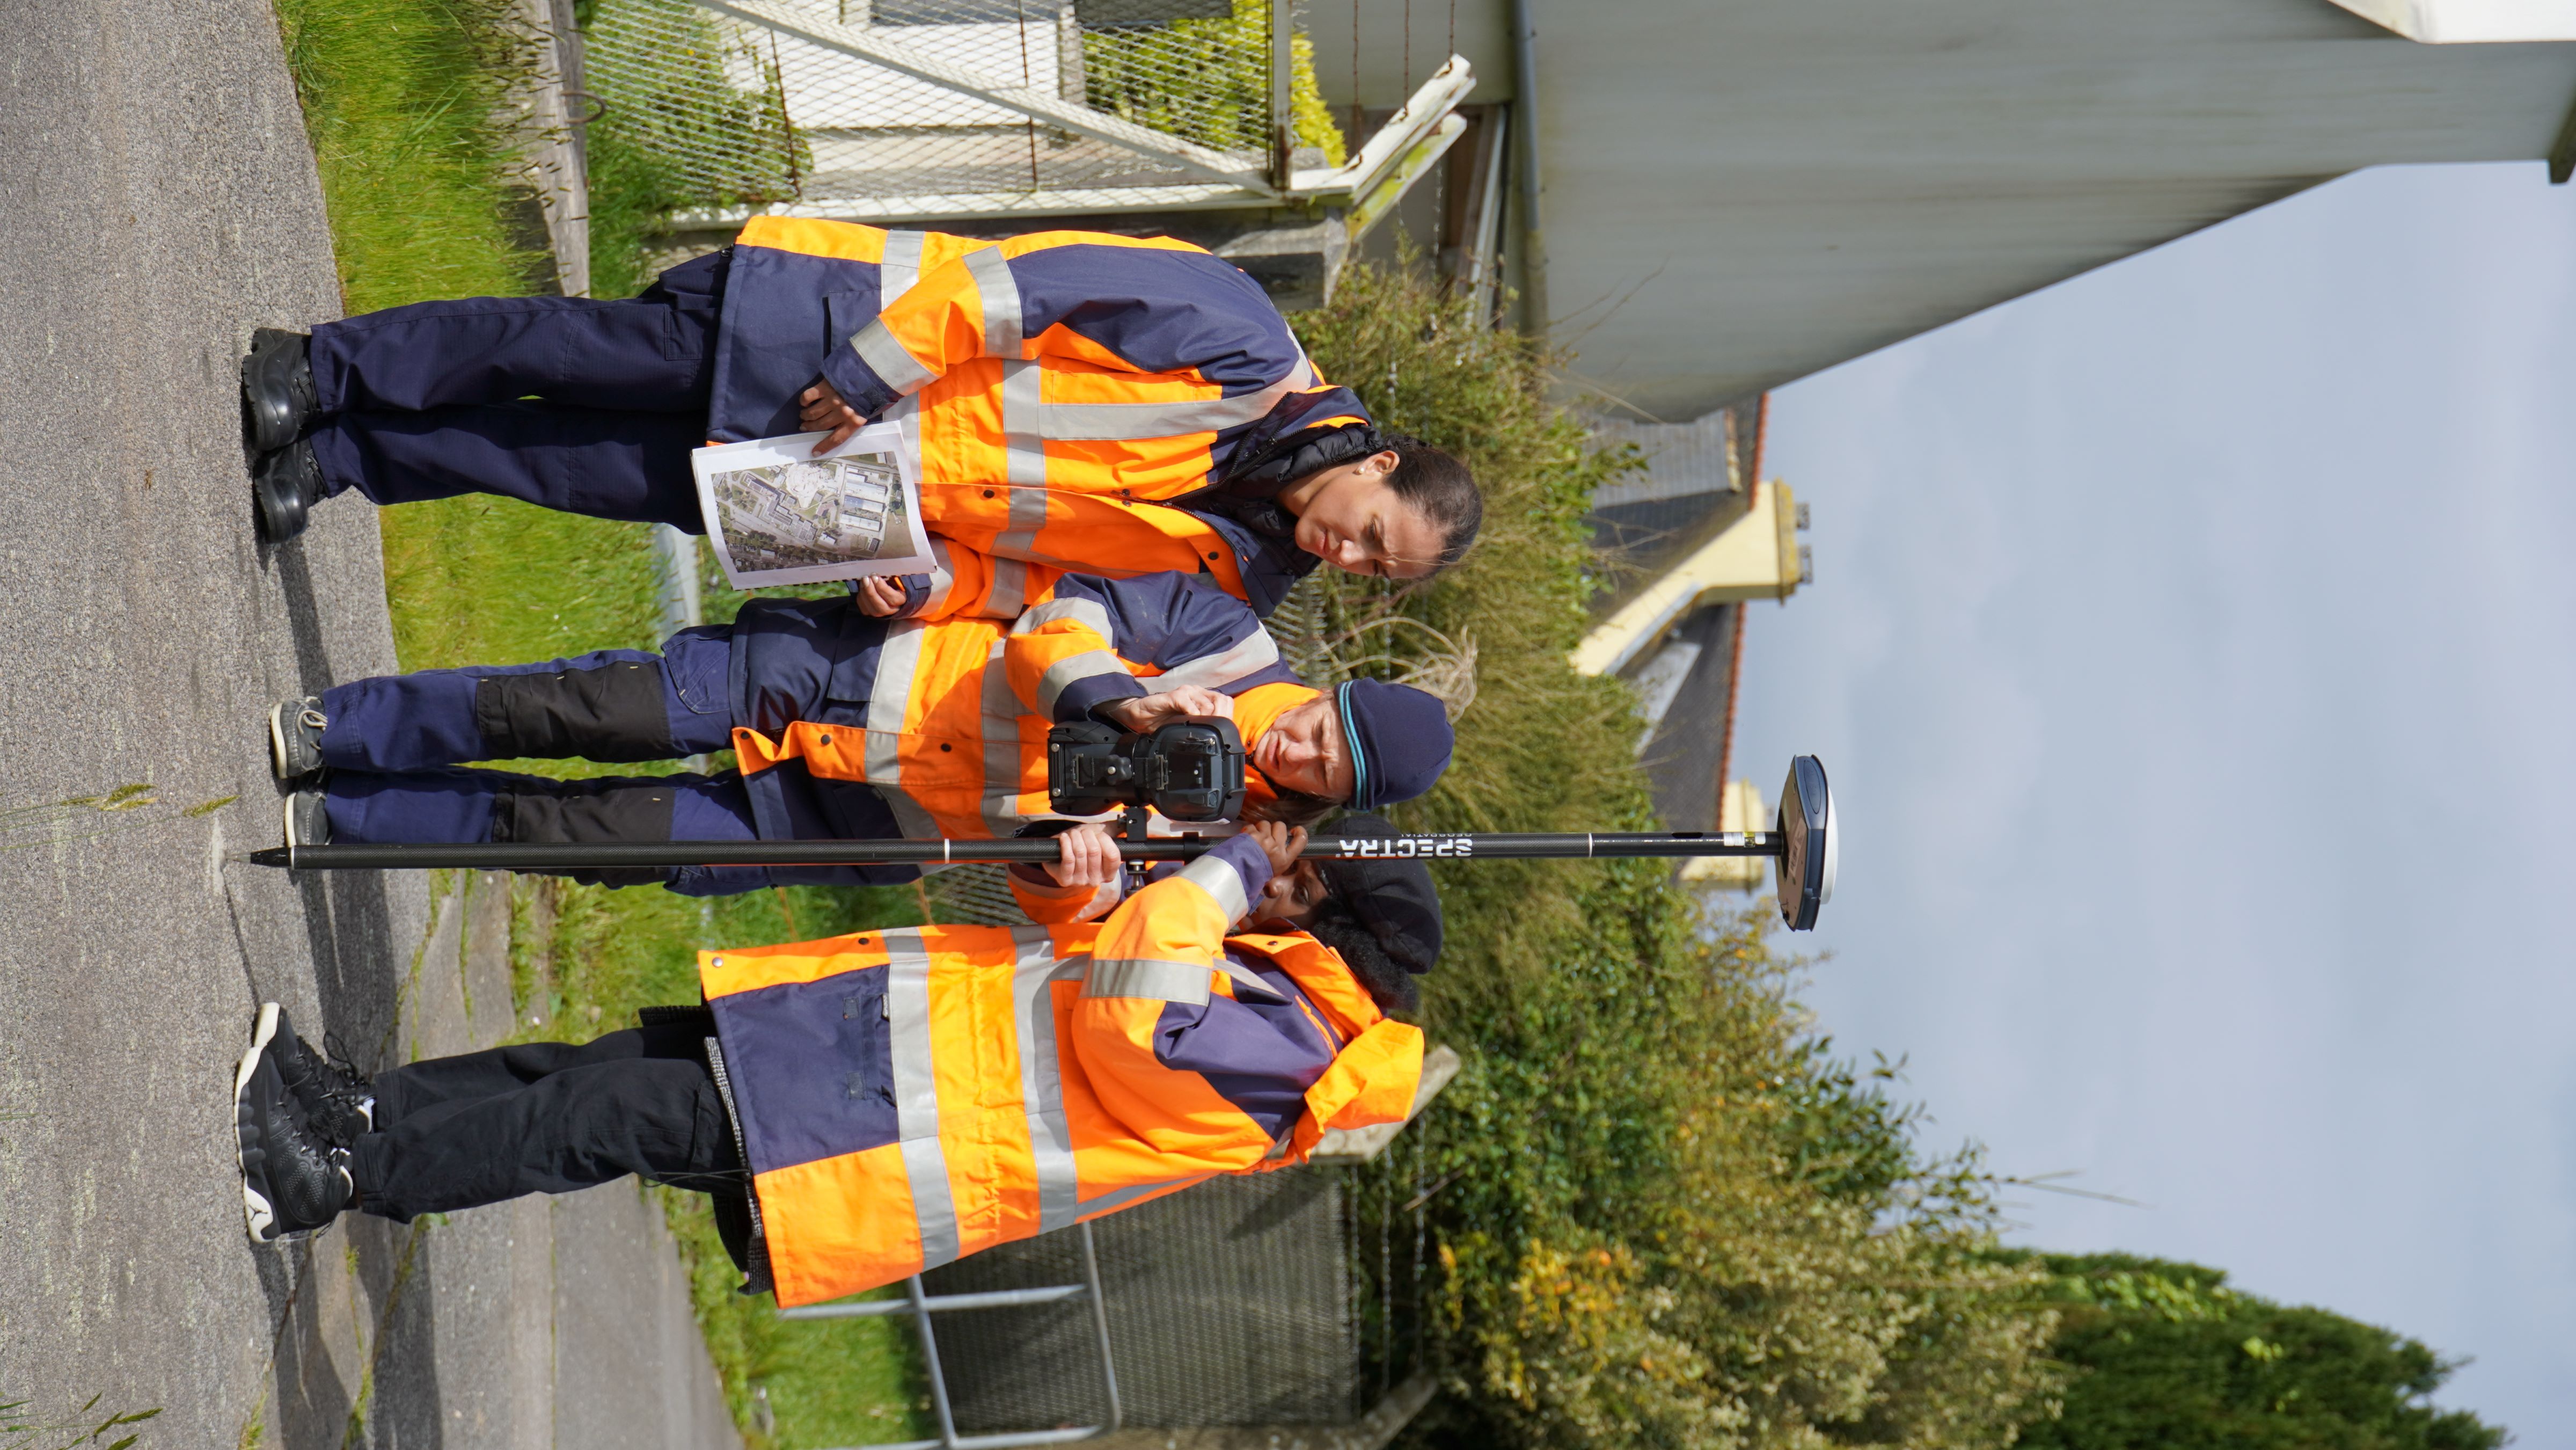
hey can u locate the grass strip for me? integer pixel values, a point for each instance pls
(399, 99)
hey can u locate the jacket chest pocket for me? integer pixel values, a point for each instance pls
(863, 1037)
(846, 315)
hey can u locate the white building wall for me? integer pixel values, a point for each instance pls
(1740, 194)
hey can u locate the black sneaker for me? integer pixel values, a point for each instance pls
(277, 388)
(295, 737)
(293, 1183)
(339, 1101)
(308, 819)
(285, 486)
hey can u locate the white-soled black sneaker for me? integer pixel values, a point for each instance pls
(293, 1184)
(295, 737)
(339, 1101)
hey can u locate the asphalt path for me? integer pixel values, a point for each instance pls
(160, 202)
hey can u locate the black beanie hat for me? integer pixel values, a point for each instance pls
(1392, 899)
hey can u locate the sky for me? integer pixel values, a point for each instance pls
(2193, 651)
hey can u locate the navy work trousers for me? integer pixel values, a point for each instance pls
(395, 744)
(571, 404)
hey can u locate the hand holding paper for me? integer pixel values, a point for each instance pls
(794, 510)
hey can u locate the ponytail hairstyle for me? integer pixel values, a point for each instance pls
(1433, 483)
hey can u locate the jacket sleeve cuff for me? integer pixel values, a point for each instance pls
(1233, 873)
(1079, 698)
(1048, 904)
(916, 592)
(856, 382)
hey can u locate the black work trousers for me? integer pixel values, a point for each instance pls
(549, 1117)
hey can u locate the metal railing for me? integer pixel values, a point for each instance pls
(888, 110)
(921, 1305)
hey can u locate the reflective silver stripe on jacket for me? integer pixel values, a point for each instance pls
(889, 701)
(1090, 613)
(901, 267)
(1220, 880)
(1090, 664)
(916, 1096)
(1149, 978)
(1109, 422)
(1041, 1075)
(1250, 655)
(1001, 725)
(1010, 592)
(1000, 293)
(888, 359)
(943, 577)
(1023, 456)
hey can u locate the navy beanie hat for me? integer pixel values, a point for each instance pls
(1399, 737)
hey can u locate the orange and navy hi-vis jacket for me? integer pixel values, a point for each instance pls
(1077, 398)
(952, 732)
(905, 1098)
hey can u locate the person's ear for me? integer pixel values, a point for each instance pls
(1382, 463)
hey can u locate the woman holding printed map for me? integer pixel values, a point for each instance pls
(1069, 400)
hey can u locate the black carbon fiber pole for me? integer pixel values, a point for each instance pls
(1488, 846)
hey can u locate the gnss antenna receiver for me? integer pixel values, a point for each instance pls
(1809, 844)
(1802, 846)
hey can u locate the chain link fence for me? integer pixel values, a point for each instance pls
(732, 114)
(1230, 1303)
(693, 103)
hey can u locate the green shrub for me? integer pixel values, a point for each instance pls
(2167, 1355)
(1208, 81)
(1661, 1212)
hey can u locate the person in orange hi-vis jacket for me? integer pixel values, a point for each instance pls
(1076, 401)
(845, 727)
(1382, 916)
(869, 1106)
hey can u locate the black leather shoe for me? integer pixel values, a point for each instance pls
(277, 388)
(285, 486)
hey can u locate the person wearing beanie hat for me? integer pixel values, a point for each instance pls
(1382, 917)
(844, 727)
(868, 1106)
